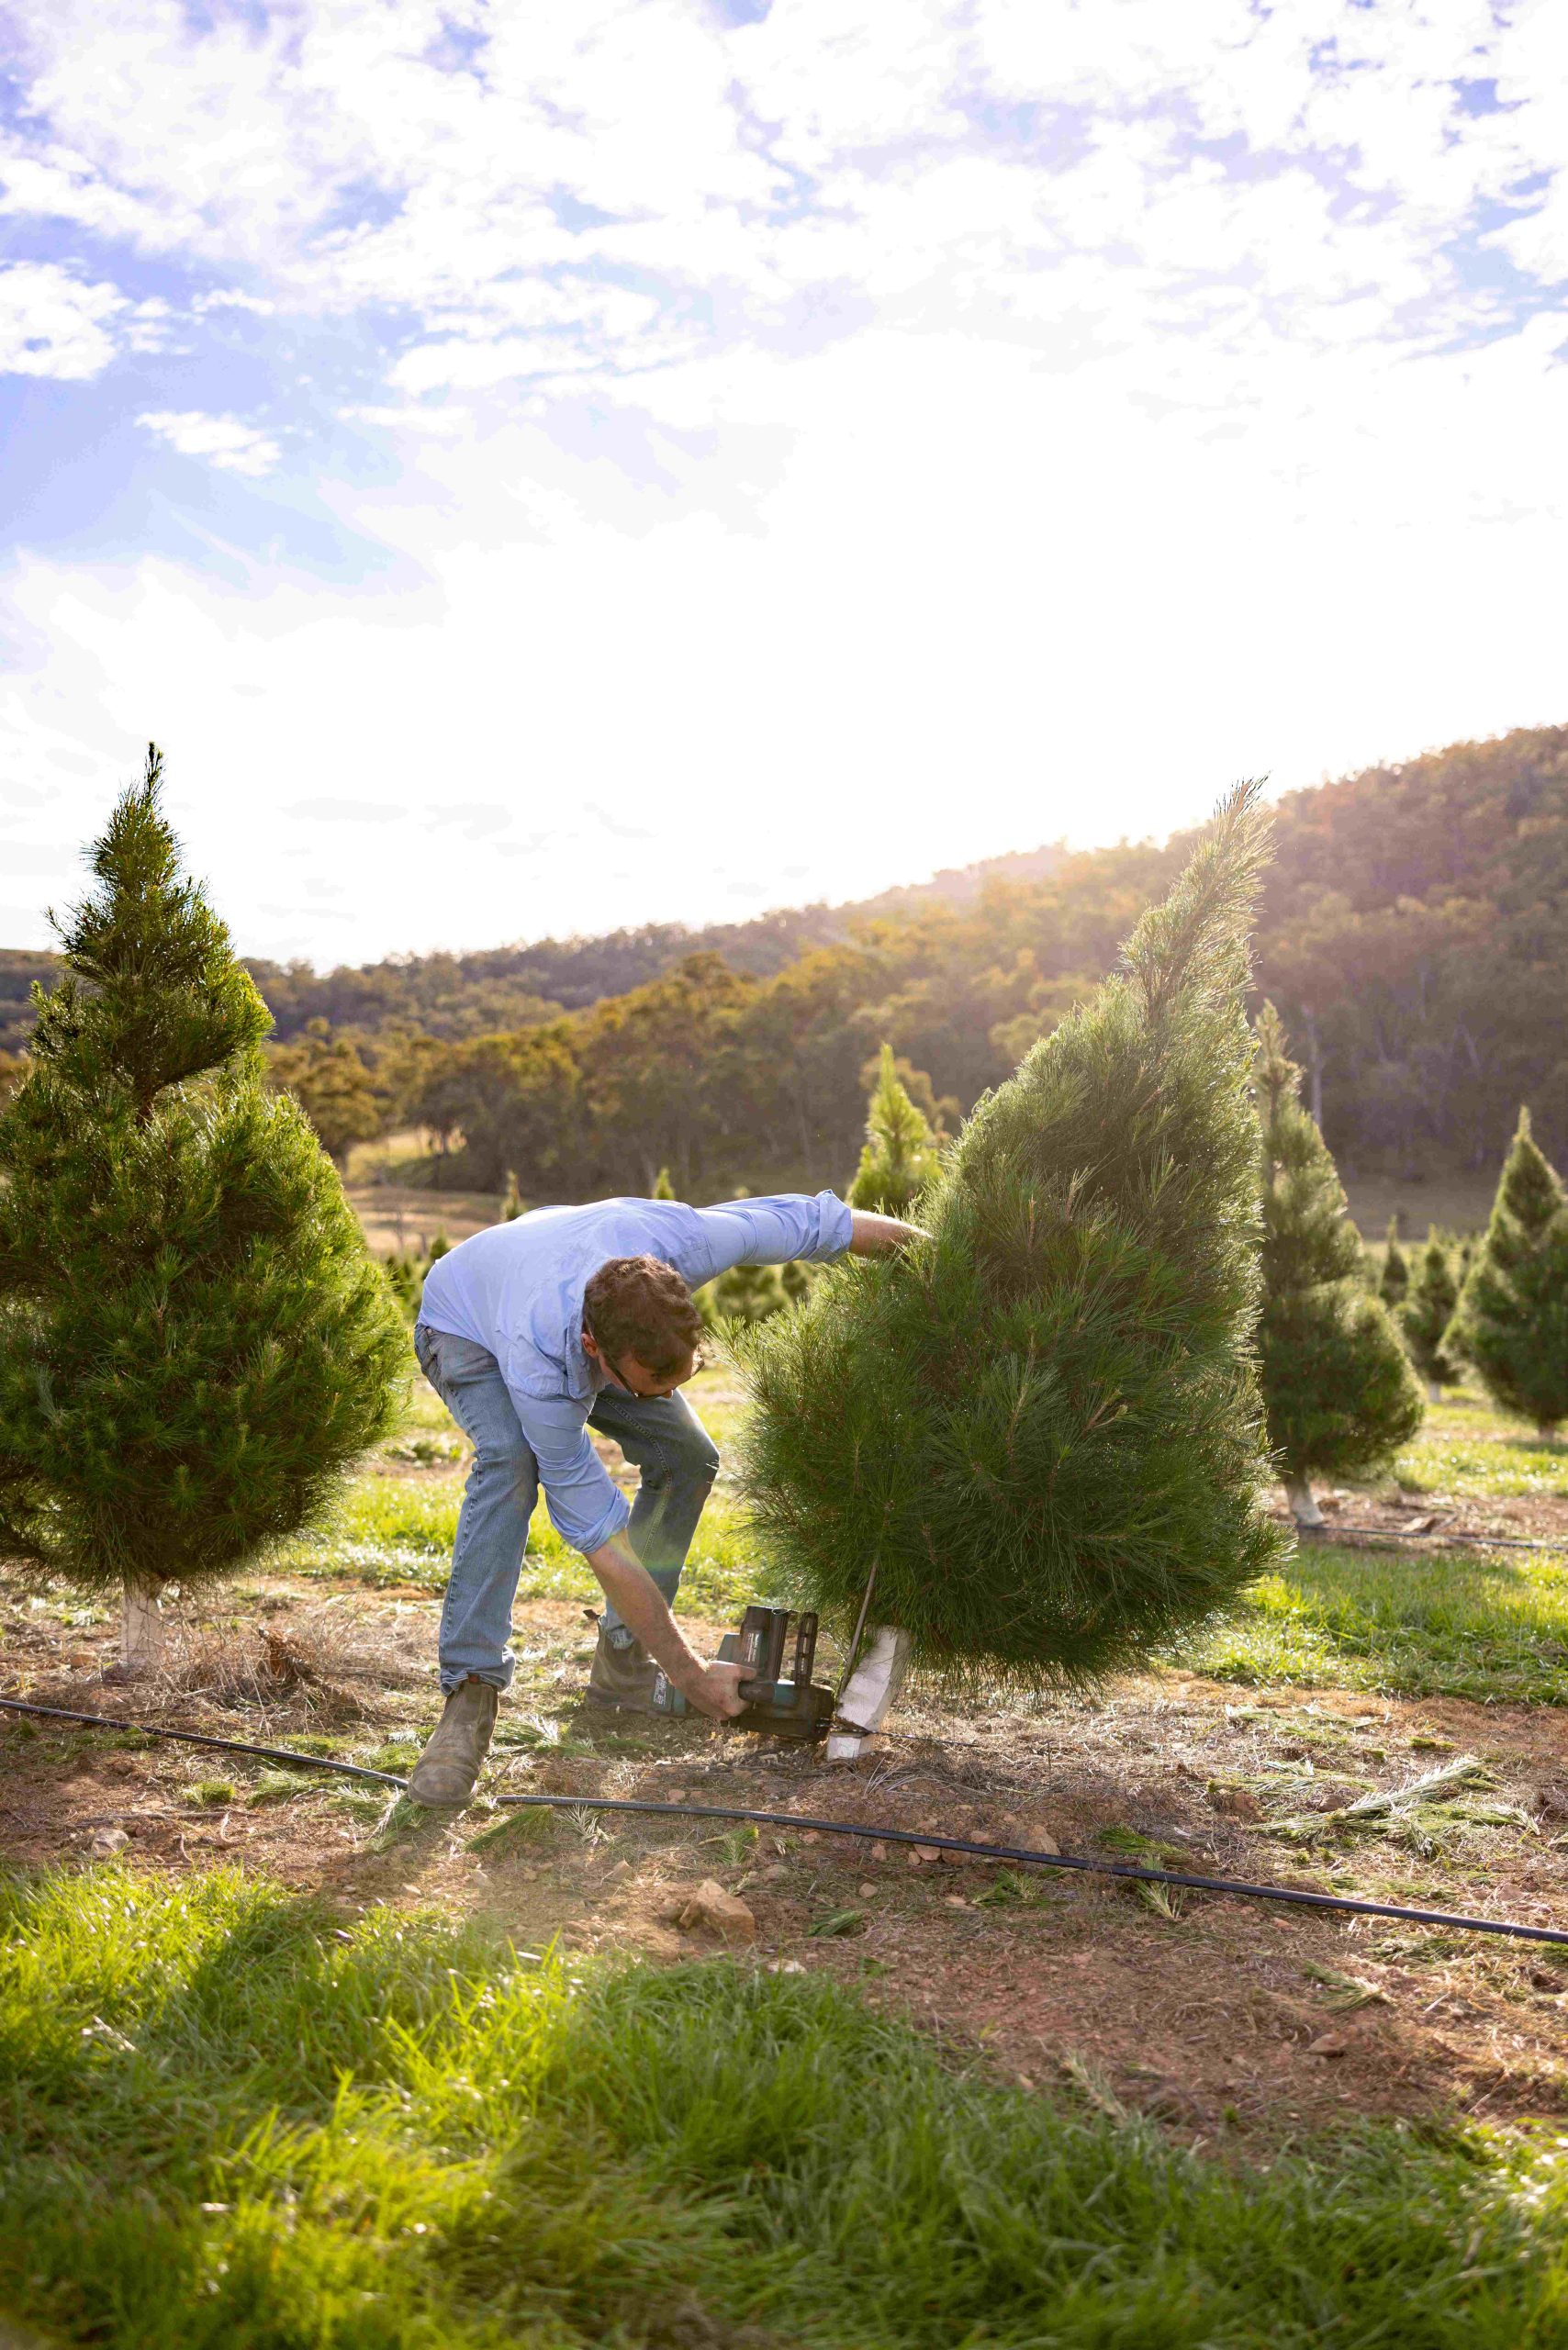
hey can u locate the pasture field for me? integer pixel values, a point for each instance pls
(295, 2063)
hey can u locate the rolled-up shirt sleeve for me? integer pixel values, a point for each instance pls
(776, 1231)
(586, 1506)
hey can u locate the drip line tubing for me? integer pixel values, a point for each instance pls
(221, 1745)
(1084, 1864)
(1327, 1532)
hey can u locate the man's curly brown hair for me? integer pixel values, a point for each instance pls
(640, 1306)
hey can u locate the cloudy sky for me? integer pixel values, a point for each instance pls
(543, 467)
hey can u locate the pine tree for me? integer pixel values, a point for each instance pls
(511, 1199)
(795, 1279)
(194, 1338)
(1512, 1322)
(1394, 1281)
(1426, 1313)
(1037, 1433)
(746, 1293)
(1337, 1386)
(406, 1276)
(663, 1187)
(899, 1154)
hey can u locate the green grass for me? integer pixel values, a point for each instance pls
(1470, 1449)
(227, 2125)
(1450, 1625)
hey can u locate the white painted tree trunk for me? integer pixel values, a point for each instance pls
(1434, 1391)
(1304, 1509)
(869, 1692)
(141, 1630)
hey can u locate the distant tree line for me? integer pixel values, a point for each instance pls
(1413, 937)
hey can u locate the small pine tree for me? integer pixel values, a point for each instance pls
(900, 1157)
(511, 1199)
(663, 1187)
(1394, 1281)
(405, 1277)
(1428, 1310)
(747, 1293)
(194, 1340)
(1039, 1429)
(1512, 1322)
(1337, 1386)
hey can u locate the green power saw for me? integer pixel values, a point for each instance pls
(780, 1703)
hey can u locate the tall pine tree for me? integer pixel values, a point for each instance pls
(899, 1154)
(1394, 1281)
(1337, 1385)
(194, 1340)
(1512, 1322)
(1037, 1433)
(1426, 1313)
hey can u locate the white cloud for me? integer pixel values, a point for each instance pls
(53, 324)
(475, 366)
(230, 298)
(885, 434)
(223, 440)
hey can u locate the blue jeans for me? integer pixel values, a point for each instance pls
(661, 1436)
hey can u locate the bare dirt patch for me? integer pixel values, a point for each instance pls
(1227, 2017)
(1351, 1513)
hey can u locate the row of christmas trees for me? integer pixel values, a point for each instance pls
(1042, 1429)
(1034, 1443)
(1338, 1346)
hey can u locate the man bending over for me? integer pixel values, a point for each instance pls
(533, 1332)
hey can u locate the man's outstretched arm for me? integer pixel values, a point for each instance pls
(713, 1689)
(880, 1236)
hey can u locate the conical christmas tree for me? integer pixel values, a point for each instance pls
(1394, 1281)
(1426, 1313)
(1337, 1383)
(1037, 1434)
(1512, 1322)
(663, 1187)
(899, 1154)
(194, 1340)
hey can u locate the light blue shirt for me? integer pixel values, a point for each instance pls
(517, 1289)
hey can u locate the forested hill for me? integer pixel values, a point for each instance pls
(472, 994)
(502, 987)
(1414, 936)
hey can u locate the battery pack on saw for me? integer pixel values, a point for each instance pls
(780, 1703)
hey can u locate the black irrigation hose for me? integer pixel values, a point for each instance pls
(1083, 1863)
(1328, 1533)
(222, 1745)
(1080, 1860)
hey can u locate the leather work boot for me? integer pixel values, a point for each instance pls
(622, 1678)
(446, 1772)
